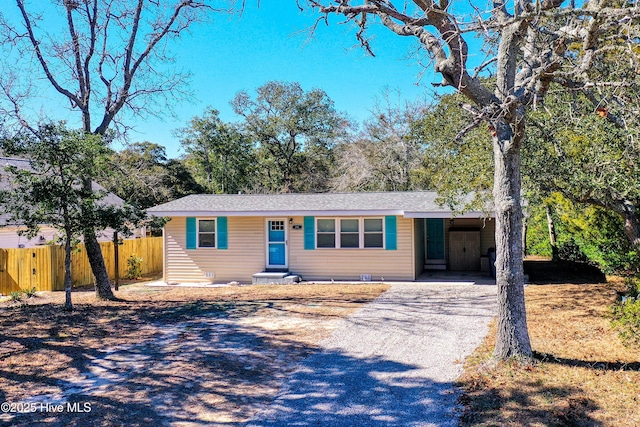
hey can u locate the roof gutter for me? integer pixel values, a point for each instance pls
(379, 212)
(277, 213)
(450, 214)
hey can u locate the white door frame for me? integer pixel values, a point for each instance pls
(286, 242)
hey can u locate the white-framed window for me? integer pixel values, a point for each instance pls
(373, 236)
(277, 225)
(207, 233)
(350, 233)
(326, 234)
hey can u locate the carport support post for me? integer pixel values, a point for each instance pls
(116, 259)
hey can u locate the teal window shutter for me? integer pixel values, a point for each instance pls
(222, 233)
(309, 233)
(192, 233)
(390, 233)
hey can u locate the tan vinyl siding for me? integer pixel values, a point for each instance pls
(246, 254)
(244, 257)
(349, 264)
(487, 236)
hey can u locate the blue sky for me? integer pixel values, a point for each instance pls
(235, 53)
(270, 42)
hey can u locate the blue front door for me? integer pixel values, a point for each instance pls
(276, 243)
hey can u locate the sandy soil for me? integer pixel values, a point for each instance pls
(161, 356)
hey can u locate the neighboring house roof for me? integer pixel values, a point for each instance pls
(417, 204)
(5, 184)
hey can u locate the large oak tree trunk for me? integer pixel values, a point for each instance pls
(631, 223)
(94, 253)
(513, 336)
(96, 260)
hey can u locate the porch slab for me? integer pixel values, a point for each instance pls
(278, 278)
(160, 283)
(464, 277)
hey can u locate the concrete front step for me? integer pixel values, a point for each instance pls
(274, 278)
(435, 264)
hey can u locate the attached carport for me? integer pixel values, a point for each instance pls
(460, 243)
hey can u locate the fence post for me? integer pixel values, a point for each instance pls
(116, 259)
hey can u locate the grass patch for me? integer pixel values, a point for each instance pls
(585, 375)
(29, 292)
(15, 296)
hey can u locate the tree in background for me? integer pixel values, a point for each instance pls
(529, 45)
(295, 131)
(219, 156)
(457, 156)
(582, 150)
(565, 159)
(52, 191)
(144, 176)
(583, 233)
(105, 62)
(574, 150)
(138, 174)
(386, 155)
(180, 180)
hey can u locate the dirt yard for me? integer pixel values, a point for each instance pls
(585, 375)
(161, 355)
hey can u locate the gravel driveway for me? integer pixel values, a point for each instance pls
(392, 363)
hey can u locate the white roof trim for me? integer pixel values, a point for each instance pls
(446, 214)
(449, 214)
(278, 213)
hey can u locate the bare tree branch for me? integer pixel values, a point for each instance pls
(536, 44)
(111, 55)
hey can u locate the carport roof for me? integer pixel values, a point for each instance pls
(416, 204)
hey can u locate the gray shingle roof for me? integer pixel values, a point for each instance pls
(4, 182)
(409, 204)
(5, 162)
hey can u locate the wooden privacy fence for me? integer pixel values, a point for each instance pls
(43, 267)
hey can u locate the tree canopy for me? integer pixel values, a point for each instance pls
(220, 156)
(105, 63)
(295, 131)
(385, 155)
(106, 58)
(144, 176)
(51, 190)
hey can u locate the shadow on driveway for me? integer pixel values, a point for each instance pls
(332, 389)
(392, 363)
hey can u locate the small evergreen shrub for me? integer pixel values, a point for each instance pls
(134, 267)
(571, 251)
(625, 314)
(632, 285)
